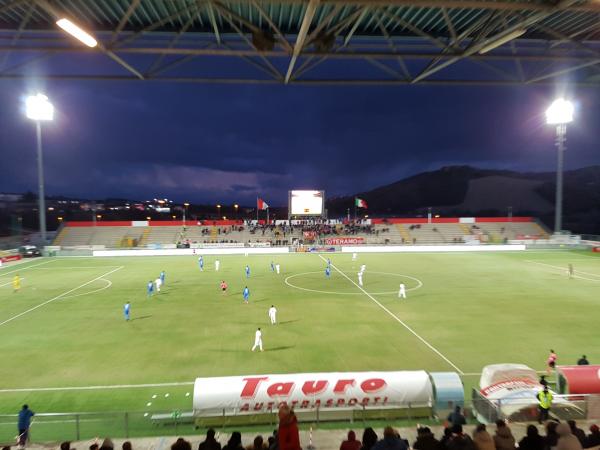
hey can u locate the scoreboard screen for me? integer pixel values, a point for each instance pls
(307, 203)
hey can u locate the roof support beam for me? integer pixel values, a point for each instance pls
(274, 27)
(130, 10)
(311, 9)
(16, 37)
(563, 71)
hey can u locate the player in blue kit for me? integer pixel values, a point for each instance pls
(328, 262)
(246, 294)
(162, 277)
(247, 271)
(272, 267)
(126, 310)
(327, 272)
(201, 263)
(150, 288)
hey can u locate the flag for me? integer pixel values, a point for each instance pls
(360, 203)
(261, 204)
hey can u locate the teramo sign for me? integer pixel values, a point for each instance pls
(257, 394)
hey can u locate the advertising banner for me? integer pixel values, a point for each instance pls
(344, 240)
(255, 394)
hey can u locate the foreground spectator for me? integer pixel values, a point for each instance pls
(94, 446)
(426, 440)
(593, 439)
(503, 438)
(533, 440)
(566, 439)
(25, 416)
(234, 442)
(456, 417)
(482, 439)
(369, 439)
(577, 432)
(288, 436)
(274, 441)
(257, 444)
(107, 444)
(126, 446)
(210, 443)
(391, 441)
(351, 443)
(458, 440)
(65, 445)
(551, 434)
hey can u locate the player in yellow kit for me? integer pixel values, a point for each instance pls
(16, 283)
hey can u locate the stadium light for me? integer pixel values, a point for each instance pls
(560, 113)
(39, 108)
(77, 32)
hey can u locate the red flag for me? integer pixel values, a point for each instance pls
(261, 204)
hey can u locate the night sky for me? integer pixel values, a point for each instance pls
(216, 143)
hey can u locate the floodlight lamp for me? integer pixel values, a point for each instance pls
(560, 112)
(77, 32)
(38, 107)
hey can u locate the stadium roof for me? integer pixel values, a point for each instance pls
(306, 41)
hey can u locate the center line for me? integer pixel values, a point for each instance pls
(59, 296)
(435, 350)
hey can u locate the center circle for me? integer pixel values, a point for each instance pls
(418, 282)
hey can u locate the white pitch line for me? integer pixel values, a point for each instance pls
(28, 267)
(563, 269)
(100, 387)
(58, 296)
(10, 282)
(431, 347)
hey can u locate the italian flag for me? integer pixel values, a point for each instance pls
(261, 204)
(360, 203)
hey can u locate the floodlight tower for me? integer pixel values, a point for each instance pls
(560, 113)
(39, 108)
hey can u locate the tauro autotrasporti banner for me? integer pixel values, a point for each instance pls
(255, 394)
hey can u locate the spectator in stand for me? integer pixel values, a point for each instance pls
(482, 439)
(274, 441)
(566, 439)
(257, 444)
(369, 439)
(126, 446)
(456, 417)
(583, 361)
(234, 442)
(426, 440)
(65, 445)
(551, 434)
(210, 443)
(25, 416)
(533, 440)
(287, 434)
(458, 440)
(391, 441)
(503, 438)
(446, 437)
(107, 444)
(577, 432)
(351, 443)
(94, 446)
(593, 439)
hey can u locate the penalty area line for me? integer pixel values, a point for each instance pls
(397, 319)
(58, 296)
(96, 388)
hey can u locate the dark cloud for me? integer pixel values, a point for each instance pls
(233, 143)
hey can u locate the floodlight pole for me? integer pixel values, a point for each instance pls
(561, 138)
(41, 193)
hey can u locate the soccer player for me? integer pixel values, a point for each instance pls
(126, 310)
(201, 263)
(16, 283)
(258, 340)
(217, 264)
(162, 277)
(272, 266)
(247, 271)
(570, 271)
(327, 272)
(353, 256)
(150, 288)
(363, 268)
(223, 287)
(360, 283)
(277, 268)
(246, 294)
(551, 361)
(158, 284)
(402, 291)
(273, 314)
(329, 262)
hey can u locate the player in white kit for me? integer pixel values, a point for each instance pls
(217, 264)
(360, 274)
(363, 268)
(273, 314)
(158, 283)
(353, 256)
(277, 268)
(258, 340)
(402, 291)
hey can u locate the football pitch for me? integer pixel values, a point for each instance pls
(65, 346)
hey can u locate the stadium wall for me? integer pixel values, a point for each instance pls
(432, 248)
(193, 251)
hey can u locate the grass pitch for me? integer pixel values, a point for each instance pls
(65, 328)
